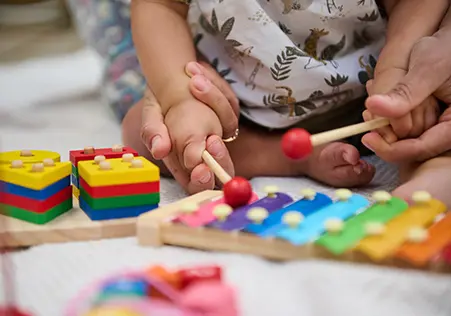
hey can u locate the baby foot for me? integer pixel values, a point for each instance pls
(433, 176)
(339, 165)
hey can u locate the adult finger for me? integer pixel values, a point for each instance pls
(211, 74)
(154, 133)
(429, 69)
(205, 91)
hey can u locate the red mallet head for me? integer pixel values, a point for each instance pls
(237, 192)
(296, 143)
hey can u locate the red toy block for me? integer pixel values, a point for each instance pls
(89, 153)
(201, 273)
(36, 206)
(120, 190)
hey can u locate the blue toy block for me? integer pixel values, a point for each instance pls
(106, 214)
(75, 181)
(38, 195)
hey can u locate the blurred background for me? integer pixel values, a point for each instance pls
(50, 81)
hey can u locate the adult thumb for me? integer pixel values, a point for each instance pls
(428, 70)
(400, 100)
(154, 133)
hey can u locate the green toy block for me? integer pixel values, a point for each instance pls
(36, 218)
(74, 171)
(120, 201)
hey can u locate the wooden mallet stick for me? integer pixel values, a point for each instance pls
(237, 190)
(297, 143)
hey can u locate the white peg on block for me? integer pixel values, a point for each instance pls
(26, 153)
(48, 162)
(98, 159)
(17, 164)
(104, 165)
(37, 167)
(127, 157)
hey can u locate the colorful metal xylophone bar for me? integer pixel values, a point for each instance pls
(383, 230)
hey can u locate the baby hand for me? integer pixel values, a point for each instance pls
(383, 142)
(180, 137)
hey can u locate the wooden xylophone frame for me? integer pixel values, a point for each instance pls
(156, 229)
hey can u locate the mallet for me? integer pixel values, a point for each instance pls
(297, 143)
(237, 190)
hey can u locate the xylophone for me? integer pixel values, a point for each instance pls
(381, 230)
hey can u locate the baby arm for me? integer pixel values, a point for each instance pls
(164, 46)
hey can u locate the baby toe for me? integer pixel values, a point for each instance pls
(352, 175)
(339, 154)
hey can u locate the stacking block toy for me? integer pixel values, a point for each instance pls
(28, 156)
(119, 187)
(89, 153)
(34, 191)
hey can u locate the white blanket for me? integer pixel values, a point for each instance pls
(54, 104)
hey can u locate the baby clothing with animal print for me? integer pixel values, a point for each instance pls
(289, 60)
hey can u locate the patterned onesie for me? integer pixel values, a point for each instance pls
(287, 60)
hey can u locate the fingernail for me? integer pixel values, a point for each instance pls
(201, 83)
(358, 169)
(154, 144)
(205, 177)
(368, 146)
(347, 157)
(193, 69)
(216, 149)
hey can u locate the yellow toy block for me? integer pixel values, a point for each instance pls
(75, 191)
(118, 171)
(36, 176)
(28, 156)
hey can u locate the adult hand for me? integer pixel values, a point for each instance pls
(429, 73)
(215, 93)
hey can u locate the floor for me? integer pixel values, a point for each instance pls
(49, 100)
(21, 43)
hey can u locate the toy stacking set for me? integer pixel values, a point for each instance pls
(111, 186)
(192, 291)
(114, 183)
